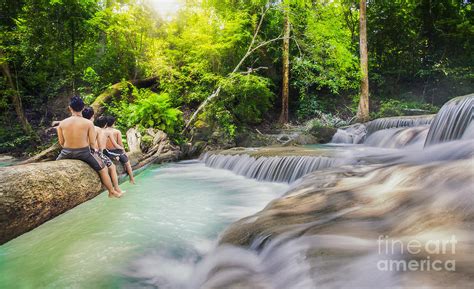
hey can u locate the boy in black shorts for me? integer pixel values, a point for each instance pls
(76, 136)
(88, 113)
(115, 147)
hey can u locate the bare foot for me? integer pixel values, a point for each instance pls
(132, 181)
(114, 194)
(118, 190)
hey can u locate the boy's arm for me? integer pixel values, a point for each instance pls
(60, 136)
(92, 137)
(119, 139)
(114, 143)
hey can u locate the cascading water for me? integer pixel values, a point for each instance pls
(452, 120)
(324, 232)
(395, 122)
(398, 137)
(272, 169)
(358, 133)
(352, 134)
(354, 233)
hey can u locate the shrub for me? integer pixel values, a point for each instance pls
(325, 120)
(243, 100)
(394, 107)
(148, 109)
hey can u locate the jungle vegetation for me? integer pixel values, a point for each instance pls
(251, 62)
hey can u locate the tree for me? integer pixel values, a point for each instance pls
(363, 110)
(286, 64)
(15, 95)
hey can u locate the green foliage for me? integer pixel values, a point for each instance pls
(328, 66)
(247, 96)
(325, 120)
(147, 140)
(13, 138)
(418, 51)
(244, 100)
(423, 47)
(395, 107)
(147, 110)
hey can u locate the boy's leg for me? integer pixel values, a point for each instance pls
(129, 170)
(114, 178)
(104, 176)
(126, 163)
(98, 165)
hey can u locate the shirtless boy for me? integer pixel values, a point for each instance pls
(115, 148)
(76, 136)
(88, 113)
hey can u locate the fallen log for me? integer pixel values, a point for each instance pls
(48, 154)
(35, 193)
(31, 194)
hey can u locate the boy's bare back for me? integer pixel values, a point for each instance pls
(113, 136)
(101, 138)
(76, 132)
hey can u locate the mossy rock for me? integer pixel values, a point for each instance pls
(323, 134)
(250, 139)
(202, 131)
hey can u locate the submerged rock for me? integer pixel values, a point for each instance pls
(322, 134)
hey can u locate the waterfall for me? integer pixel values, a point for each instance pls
(358, 133)
(352, 134)
(452, 121)
(398, 121)
(271, 169)
(398, 137)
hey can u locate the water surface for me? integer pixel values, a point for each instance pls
(175, 210)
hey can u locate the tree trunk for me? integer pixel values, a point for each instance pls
(251, 49)
(15, 95)
(114, 91)
(363, 110)
(31, 194)
(286, 66)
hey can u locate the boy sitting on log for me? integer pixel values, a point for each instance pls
(101, 139)
(77, 136)
(115, 148)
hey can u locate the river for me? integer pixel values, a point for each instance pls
(399, 180)
(175, 212)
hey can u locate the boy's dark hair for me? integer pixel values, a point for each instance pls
(101, 122)
(76, 104)
(88, 112)
(110, 120)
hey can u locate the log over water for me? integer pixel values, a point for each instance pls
(32, 194)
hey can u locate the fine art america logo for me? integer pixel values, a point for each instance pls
(414, 255)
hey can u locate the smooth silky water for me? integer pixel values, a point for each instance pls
(166, 222)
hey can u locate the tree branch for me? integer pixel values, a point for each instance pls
(250, 50)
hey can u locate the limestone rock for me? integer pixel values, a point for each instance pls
(366, 202)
